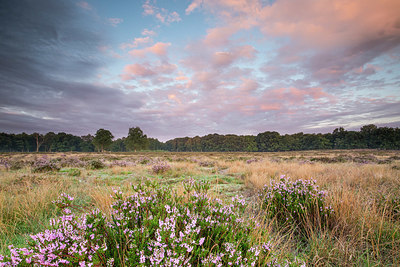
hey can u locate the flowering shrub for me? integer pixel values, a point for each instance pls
(161, 167)
(152, 227)
(44, 165)
(71, 162)
(299, 202)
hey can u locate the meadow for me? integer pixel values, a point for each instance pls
(310, 208)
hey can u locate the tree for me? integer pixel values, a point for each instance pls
(39, 140)
(49, 141)
(136, 139)
(102, 139)
(268, 141)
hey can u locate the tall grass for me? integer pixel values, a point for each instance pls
(364, 229)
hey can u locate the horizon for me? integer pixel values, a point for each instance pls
(164, 141)
(196, 67)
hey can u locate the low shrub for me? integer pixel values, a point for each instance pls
(17, 164)
(300, 203)
(44, 165)
(151, 227)
(206, 164)
(95, 164)
(160, 167)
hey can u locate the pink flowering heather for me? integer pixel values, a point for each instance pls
(151, 227)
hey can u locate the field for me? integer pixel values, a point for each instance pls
(362, 188)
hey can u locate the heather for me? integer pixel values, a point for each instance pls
(154, 227)
(317, 208)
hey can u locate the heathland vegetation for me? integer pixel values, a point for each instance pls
(310, 208)
(368, 137)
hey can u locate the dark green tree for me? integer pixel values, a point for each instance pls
(136, 140)
(102, 139)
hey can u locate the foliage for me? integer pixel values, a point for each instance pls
(151, 227)
(95, 164)
(160, 167)
(103, 139)
(136, 140)
(44, 165)
(299, 203)
(369, 136)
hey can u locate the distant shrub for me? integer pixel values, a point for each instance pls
(16, 164)
(300, 202)
(95, 164)
(122, 163)
(206, 164)
(44, 165)
(71, 162)
(161, 167)
(143, 160)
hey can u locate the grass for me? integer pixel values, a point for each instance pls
(363, 188)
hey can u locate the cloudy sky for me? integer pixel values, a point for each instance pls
(180, 68)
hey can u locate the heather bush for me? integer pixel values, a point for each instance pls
(206, 164)
(44, 165)
(122, 163)
(300, 203)
(160, 167)
(71, 162)
(143, 160)
(152, 227)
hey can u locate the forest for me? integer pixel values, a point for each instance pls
(368, 137)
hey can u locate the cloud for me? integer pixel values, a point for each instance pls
(147, 32)
(159, 49)
(195, 4)
(161, 14)
(137, 42)
(84, 5)
(47, 67)
(136, 70)
(115, 21)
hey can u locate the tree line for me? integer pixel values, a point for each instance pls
(370, 136)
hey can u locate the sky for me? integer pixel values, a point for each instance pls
(179, 68)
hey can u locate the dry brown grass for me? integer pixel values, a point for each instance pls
(363, 231)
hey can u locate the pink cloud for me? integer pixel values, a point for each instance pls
(328, 23)
(161, 14)
(147, 32)
(137, 42)
(219, 36)
(84, 5)
(133, 71)
(148, 8)
(195, 4)
(137, 70)
(159, 49)
(115, 21)
(296, 96)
